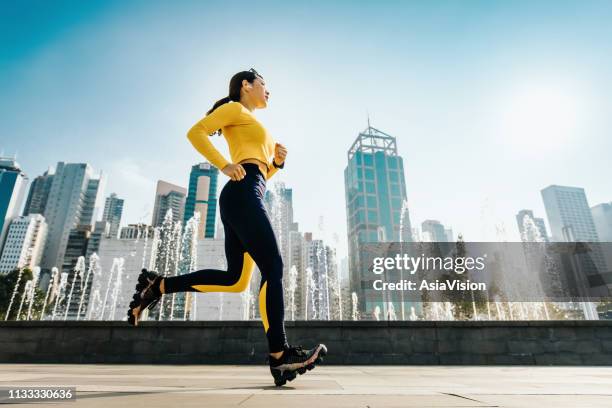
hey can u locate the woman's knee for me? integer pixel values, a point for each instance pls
(240, 273)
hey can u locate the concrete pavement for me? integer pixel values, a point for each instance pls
(326, 386)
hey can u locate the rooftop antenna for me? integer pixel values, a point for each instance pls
(369, 127)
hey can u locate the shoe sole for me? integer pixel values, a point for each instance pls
(289, 374)
(134, 310)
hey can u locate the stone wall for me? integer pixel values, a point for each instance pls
(231, 342)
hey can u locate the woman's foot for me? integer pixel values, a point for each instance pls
(147, 295)
(295, 360)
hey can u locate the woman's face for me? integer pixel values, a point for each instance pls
(258, 93)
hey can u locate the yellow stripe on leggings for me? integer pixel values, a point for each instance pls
(245, 278)
(262, 306)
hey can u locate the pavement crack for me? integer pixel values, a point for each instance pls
(246, 399)
(461, 396)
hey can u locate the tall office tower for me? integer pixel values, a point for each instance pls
(38, 194)
(602, 217)
(13, 184)
(569, 215)
(531, 229)
(24, 244)
(570, 220)
(113, 209)
(375, 189)
(168, 196)
(202, 198)
(434, 231)
(75, 193)
(295, 286)
(279, 204)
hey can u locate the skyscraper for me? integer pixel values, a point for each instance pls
(13, 184)
(38, 194)
(569, 215)
(113, 209)
(202, 198)
(168, 196)
(531, 228)
(73, 198)
(279, 204)
(602, 217)
(375, 190)
(570, 220)
(24, 243)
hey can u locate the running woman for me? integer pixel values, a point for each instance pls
(249, 238)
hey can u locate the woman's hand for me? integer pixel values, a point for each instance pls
(234, 171)
(280, 153)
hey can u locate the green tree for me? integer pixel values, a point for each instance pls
(7, 287)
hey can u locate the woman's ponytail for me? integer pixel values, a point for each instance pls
(220, 102)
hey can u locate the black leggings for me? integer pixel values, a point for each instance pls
(248, 236)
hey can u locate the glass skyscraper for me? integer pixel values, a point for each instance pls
(74, 195)
(375, 191)
(202, 198)
(12, 191)
(168, 196)
(570, 220)
(113, 209)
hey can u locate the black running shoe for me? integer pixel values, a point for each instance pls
(146, 297)
(295, 360)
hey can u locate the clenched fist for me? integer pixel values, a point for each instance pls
(234, 171)
(280, 153)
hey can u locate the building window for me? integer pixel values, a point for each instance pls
(372, 216)
(372, 202)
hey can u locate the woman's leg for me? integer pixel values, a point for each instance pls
(236, 279)
(253, 227)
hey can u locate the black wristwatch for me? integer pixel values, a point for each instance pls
(277, 166)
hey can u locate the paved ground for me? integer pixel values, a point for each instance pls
(327, 386)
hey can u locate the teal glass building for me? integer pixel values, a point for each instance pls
(202, 197)
(375, 193)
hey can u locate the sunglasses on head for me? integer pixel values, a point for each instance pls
(255, 72)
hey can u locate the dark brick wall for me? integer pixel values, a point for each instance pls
(221, 342)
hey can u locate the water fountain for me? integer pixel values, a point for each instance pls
(32, 294)
(15, 291)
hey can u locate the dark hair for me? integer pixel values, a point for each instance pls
(234, 89)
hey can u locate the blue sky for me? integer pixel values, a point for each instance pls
(490, 101)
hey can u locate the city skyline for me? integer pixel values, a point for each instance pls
(485, 118)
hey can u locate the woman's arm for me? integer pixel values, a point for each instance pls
(198, 135)
(280, 153)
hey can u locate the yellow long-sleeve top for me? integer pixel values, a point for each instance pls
(246, 137)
